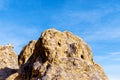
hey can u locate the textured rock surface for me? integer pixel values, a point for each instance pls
(13, 76)
(8, 61)
(26, 52)
(59, 56)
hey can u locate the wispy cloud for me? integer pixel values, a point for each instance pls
(97, 21)
(115, 53)
(100, 23)
(112, 71)
(103, 34)
(18, 35)
(110, 63)
(113, 56)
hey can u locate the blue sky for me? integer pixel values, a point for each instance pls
(96, 21)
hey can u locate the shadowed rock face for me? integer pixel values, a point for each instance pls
(59, 56)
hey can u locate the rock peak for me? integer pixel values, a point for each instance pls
(61, 56)
(57, 55)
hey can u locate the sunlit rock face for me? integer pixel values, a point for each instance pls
(55, 55)
(60, 56)
(26, 52)
(8, 61)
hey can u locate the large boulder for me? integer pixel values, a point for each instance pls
(8, 61)
(60, 56)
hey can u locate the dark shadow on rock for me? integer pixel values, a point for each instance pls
(6, 72)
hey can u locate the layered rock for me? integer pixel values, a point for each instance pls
(59, 56)
(8, 61)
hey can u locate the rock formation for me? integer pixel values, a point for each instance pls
(26, 52)
(8, 61)
(57, 56)
(60, 56)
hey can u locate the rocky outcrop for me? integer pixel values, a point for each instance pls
(26, 52)
(58, 56)
(54, 56)
(8, 61)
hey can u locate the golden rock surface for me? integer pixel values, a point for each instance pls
(61, 56)
(55, 55)
(8, 61)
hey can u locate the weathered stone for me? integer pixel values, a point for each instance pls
(13, 76)
(60, 56)
(26, 52)
(8, 61)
